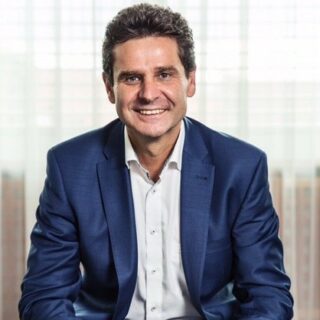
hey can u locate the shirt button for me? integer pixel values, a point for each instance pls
(153, 271)
(154, 191)
(153, 232)
(153, 309)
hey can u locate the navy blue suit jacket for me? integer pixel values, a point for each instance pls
(232, 256)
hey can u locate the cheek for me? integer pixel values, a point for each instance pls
(123, 103)
(175, 94)
(119, 103)
(181, 99)
(124, 97)
(120, 99)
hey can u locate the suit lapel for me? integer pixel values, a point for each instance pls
(196, 197)
(114, 179)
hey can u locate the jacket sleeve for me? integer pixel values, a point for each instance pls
(52, 281)
(261, 285)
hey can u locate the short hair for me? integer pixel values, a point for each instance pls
(144, 20)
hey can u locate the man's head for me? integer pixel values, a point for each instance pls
(149, 71)
(145, 20)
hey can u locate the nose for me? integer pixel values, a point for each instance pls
(149, 90)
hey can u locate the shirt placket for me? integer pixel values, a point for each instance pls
(154, 265)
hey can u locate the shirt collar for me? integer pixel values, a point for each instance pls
(174, 158)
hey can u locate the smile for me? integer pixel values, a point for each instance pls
(151, 112)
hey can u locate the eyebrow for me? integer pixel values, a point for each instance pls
(172, 69)
(127, 73)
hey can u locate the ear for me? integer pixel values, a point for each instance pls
(191, 88)
(109, 88)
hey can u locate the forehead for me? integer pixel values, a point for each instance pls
(146, 52)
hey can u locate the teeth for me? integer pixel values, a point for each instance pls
(151, 112)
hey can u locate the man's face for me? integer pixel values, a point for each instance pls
(150, 87)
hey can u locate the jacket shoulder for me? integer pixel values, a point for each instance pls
(87, 144)
(223, 147)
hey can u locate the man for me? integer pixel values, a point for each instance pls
(169, 219)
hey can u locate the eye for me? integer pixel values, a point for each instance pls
(132, 79)
(165, 75)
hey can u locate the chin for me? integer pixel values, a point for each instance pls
(152, 135)
(151, 131)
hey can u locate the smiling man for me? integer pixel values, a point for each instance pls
(168, 218)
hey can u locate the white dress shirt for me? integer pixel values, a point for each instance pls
(161, 291)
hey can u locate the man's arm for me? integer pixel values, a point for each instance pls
(53, 278)
(261, 285)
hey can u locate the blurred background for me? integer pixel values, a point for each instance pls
(258, 79)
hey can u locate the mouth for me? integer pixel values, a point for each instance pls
(150, 112)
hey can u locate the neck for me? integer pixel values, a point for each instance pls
(153, 153)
